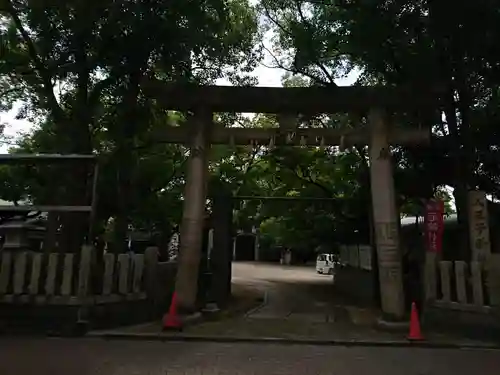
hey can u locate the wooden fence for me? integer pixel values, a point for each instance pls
(458, 285)
(74, 279)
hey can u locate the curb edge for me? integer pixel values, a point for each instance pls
(291, 341)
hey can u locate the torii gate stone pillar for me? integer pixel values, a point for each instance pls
(386, 219)
(193, 214)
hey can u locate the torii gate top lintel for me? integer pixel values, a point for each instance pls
(308, 100)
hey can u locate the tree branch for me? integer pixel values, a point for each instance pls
(308, 25)
(275, 22)
(310, 180)
(47, 86)
(293, 70)
(172, 176)
(249, 165)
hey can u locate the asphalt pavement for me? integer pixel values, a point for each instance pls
(20, 356)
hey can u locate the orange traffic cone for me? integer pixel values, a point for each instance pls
(171, 320)
(415, 333)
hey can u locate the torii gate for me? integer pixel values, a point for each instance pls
(288, 103)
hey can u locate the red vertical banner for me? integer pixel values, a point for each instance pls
(434, 225)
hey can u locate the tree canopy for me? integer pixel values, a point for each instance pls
(76, 66)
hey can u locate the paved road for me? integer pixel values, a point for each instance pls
(291, 290)
(99, 357)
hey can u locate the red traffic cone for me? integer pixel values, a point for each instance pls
(415, 332)
(171, 320)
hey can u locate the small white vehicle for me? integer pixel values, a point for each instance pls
(325, 264)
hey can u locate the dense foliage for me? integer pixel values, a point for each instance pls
(76, 67)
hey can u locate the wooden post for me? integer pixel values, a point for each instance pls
(386, 219)
(191, 231)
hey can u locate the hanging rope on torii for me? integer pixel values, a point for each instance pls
(374, 102)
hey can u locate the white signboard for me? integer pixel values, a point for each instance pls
(479, 226)
(365, 257)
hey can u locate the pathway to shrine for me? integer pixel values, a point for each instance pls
(298, 303)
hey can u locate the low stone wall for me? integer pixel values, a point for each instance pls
(159, 285)
(471, 324)
(463, 297)
(61, 293)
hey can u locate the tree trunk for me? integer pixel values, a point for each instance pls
(125, 158)
(123, 196)
(119, 237)
(75, 224)
(447, 64)
(79, 140)
(460, 184)
(50, 244)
